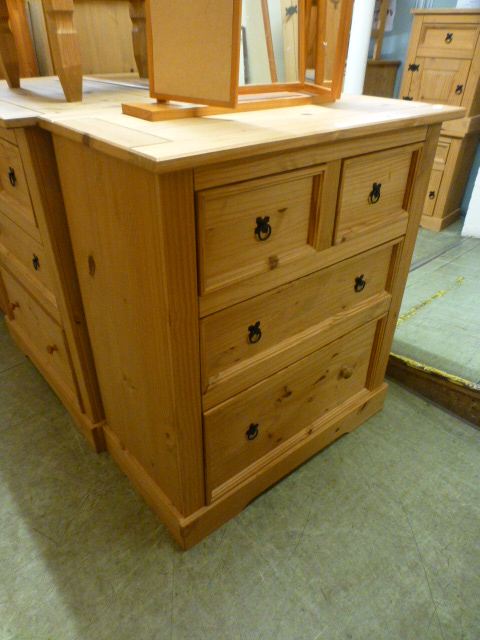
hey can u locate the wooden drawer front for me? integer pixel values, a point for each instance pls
(364, 205)
(440, 81)
(14, 194)
(432, 192)
(442, 40)
(233, 244)
(29, 253)
(245, 343)
(283, 405)
(39, 330)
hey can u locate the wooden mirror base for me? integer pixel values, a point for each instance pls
(157, 111)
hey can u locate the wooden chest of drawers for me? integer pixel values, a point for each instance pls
(241, 296)
(39, 285)
(443, 67)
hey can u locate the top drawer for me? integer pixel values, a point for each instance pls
(249, 228)
(448, 41)
(14, 194)
(375, 190)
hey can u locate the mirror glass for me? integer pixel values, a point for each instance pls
(270, 41)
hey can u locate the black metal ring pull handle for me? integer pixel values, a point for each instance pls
(459, 89)
(263, 230)
(360, 284)
(252, 431)
(36, 262)
(374, 196)
(449, 38)
(11, 176)
(254, 333)
(431, 195)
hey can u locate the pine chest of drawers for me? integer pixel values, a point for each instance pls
(241, 279)
(38, 284)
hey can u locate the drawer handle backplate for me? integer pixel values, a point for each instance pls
(254, 332)
(263, 230)
(374, 196)
(11, 176)
(252, 431)
(459, 89)
(431, 195)
(359, 284)
(36, 262)
(449, 38)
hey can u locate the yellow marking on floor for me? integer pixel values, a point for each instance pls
(414, 310)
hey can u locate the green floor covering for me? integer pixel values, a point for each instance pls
(375, 538)
(439, 322)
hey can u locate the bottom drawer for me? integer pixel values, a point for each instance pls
(246, 427)
(39, 331)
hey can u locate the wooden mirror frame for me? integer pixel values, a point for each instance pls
(205, 69)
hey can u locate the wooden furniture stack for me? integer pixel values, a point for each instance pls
(443, 67)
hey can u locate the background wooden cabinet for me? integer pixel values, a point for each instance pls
(443, 66)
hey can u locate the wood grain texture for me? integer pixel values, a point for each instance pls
(9, 65)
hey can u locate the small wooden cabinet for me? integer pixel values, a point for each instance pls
(38, 288)
(241, 279)
(443, 67)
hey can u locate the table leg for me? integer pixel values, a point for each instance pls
(8, 50)
(64, 46)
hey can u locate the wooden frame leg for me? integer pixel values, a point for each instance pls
(139, 36)
(64, 46)
(8, 50)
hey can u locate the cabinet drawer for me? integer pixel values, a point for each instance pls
(255, 422)
(249, 228)
(29, 253)
(14, 195)
(41, 332)
(251, 340)
(443, 40)
(375, 190)
(432, 192)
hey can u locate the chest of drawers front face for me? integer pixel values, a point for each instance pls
(289, 353)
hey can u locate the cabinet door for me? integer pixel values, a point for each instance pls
(440, 80)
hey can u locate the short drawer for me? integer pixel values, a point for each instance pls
(14, 194)
(251, 340)
(375, 190)
(251, 227)
(432, 192)
(38, 330)
(28, 252)
(443, 40)
(251, 425)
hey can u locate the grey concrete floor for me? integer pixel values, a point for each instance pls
(439, 318)
(375, 538)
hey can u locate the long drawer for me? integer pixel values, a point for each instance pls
(41, 332)
(253, 423)
(244, 343)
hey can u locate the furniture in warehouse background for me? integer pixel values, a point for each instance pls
(443, 66)
(380, 74)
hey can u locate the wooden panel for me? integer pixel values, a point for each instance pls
(27, 251)
(14, 194)
(380, 78)
(293, 320)
(41, 330)
(200, 68)
(448, 40)
(232, 244)
(440, 81)
(441, 154)
(361, 204)
(283, 405)
(432, 192)
(133, 240)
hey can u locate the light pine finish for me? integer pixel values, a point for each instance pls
(380, 78)
(45, 314)
(171, 349)
(445, 53)
(9, 64)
